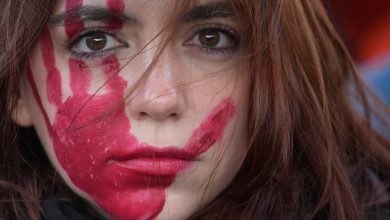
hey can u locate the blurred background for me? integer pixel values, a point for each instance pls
(365, 27)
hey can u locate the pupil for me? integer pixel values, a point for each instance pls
(96, 41)
(209, 38)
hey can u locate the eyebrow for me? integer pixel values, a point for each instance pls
(92, 13)
(208, 11)
(101, 14)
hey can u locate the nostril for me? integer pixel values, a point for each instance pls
(158, 115)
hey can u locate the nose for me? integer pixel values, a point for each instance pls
(157, 96)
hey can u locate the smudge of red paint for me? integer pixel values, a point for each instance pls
(80, 78)
(90, 137)
(115, 6)
(73, 24)
(54, 78)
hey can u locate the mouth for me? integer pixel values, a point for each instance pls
(167, 161)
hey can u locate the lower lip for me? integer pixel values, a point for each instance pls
(155, 166)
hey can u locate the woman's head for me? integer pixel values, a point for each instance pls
(136, 124)
(161, 108)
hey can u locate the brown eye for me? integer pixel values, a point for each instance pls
(96, 41)
(215, 40)
(209, 38)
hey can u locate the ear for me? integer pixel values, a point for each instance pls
(21, 114)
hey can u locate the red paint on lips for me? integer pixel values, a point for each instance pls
(153, 161)
(154, 166)
(94, 145)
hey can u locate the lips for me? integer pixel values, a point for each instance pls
(148, 160)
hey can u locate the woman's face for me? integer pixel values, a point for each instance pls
(141, 109)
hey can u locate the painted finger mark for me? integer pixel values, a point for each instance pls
(54, 89)
(116, 6)
(111, 67)
(80, 77)
(73, 24)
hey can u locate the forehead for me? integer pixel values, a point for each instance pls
(137, 12)
(133, 4)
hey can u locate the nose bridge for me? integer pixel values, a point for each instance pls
(158, 96)
(160, 82)
(161, 72)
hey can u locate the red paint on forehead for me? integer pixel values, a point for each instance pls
(72, 4)
(88, 130)
(73, 24)
(117, 6)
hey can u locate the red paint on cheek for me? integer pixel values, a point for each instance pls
(80, 77)
(89, 130)
(211, 129)
(53, 74)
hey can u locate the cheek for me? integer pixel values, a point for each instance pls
(85, 128)
(86, 124)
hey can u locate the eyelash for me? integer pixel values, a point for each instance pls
(222, 29)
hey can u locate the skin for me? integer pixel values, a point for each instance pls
(135, 134)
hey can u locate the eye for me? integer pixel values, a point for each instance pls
(94, 43)
(217, 39)
(212, 38)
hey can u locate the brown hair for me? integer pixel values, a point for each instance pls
(21, 176)
(312, 155)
